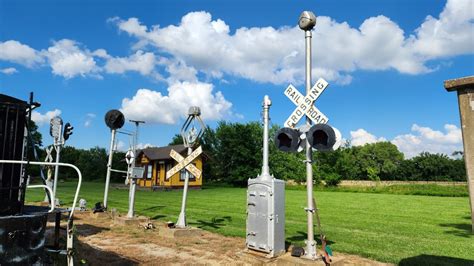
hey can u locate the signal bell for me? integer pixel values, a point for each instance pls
(287, 139)
(323, 137)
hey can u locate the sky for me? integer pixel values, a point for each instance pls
(385, 62)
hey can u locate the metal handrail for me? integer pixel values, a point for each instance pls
(79, 175)
(51, 193)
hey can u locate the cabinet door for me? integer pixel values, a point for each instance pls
(257, 217)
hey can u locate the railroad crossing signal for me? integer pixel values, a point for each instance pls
(49, 157)
(190, 167)
(129, 157)
(185, 163)
(304, 105)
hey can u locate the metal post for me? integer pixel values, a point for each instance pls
(109, 168)
(310, 243)
(266, 106)
(182, 215)
(131, 195)
(56, 172)
(133, 181)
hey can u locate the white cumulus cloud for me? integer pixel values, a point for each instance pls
(141, 62)
(43, 119)
(154, 107)
(426, 139)
(276, 55)
(420, 139)
(450, 34)
(68, 60)
(361, 137)
(8, 71)
(16, 52)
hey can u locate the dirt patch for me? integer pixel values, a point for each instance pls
(102, 242)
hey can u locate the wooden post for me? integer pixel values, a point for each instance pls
(465, 89)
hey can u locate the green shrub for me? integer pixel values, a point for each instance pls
(332, 179)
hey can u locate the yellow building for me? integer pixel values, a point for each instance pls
(157, 161)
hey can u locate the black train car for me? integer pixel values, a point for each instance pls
(22, 228)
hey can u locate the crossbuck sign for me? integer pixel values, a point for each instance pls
(304, 105)
(185, 163)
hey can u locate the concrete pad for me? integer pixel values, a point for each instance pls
(137, 220)
(187, 232)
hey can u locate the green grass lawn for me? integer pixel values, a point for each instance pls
(406, 229)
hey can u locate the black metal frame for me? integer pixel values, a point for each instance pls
(13, 119)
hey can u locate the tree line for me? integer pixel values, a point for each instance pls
(92, 163)
(234, 154)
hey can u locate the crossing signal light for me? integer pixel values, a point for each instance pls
(323, 137)
(287, 139)
(67, 131)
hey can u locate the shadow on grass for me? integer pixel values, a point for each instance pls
(215, 222)
(159, 216)
(432, 260)
(88, 230)
(460, 229)
(153, 208)
(302, 236)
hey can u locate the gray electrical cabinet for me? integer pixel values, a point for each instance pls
(266, 215)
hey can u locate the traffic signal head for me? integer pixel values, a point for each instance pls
(287, 139)
(323, 137)
(114, 119)
(67, 131)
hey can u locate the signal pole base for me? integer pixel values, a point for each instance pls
(181, 220)
(310, 251)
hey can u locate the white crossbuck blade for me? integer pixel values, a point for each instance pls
(305, 105)
(49, 157)
(185, 163)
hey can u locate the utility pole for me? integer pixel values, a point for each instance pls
(114, 119)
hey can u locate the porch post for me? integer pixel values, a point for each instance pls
(465, 90)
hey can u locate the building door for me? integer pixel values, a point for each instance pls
(156, 175)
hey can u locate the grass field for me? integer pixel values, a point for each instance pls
(405, 229)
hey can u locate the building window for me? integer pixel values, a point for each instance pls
(149, 171)
(168, 167)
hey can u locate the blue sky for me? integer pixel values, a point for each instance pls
(385, 62)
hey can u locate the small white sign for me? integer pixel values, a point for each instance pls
(130, 157)
(137, 172)
(183, 163)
